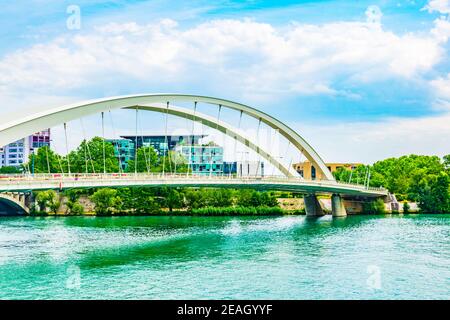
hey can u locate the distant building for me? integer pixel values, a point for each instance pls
(40, 139)
(17, 153)
(161, 143)
(203, 159)
(244, 168)
(308, 171)
(123, 150)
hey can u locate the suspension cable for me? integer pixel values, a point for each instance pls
(213, 147)
(136, 145)
(257, 147)
(165, 139)
(235, 141)
(67, 149)
(60, 163)
(285, 154)
(147, 160)
(103, 136)
(116, 144)
(86, 144)
(191, 143)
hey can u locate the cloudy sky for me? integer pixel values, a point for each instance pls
(360, 80)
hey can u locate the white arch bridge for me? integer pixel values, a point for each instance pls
(164, 103)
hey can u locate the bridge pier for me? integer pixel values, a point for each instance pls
(337, 206)
(312, 206)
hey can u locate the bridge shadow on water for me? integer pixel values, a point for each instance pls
(182, 239)
(188, 239)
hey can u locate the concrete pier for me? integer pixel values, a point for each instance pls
(337, 206)
(312, 206)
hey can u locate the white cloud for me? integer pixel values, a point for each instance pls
(247, 60)
(252, 58)
(441, 6)
(441, 87)
(371, 141)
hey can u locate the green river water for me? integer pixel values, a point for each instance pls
(292, 257)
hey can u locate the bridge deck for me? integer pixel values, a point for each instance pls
(23, 183)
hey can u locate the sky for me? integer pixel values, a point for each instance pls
(359, 80)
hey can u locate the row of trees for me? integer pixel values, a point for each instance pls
(142, 200)
(145, 201)
(96, 155)
(423, 179)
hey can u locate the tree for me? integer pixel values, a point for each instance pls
(447, 162)
(268, 200)
(45, 160)
(405, 207)
(42, 200)
(431, 192)
(106, 201)
(53, 201)
(140, 200)
(73, 205)
(47, 200)
(147, 161)
(173, 200)
(88, 157)
(10, 170)
(374, 207)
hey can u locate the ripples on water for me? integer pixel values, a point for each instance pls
(360, 257)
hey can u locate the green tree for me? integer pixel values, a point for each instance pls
(73, 205)
(46, 161)
(446, 160)
(10, 170)
(53, 201)
(147, 161)
(88, 157)
(47, 200)
(173, 200)
(106, 201)
(405, 207)
(374, 207)
(268, 200)
(42, 200)
(139, 200)
(431, 192)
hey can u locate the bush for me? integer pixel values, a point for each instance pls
(106, 201)
(405, 207)
(374, 207)
(76, 209)
(47, 200)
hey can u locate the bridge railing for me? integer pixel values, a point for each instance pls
(59, 177)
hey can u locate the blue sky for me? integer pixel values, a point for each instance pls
(323, 65)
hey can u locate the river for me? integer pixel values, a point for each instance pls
(292, 257)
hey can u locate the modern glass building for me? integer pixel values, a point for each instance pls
(162, 143)
(203, 159)
(123, 150)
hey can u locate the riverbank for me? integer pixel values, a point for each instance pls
(206, 211)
